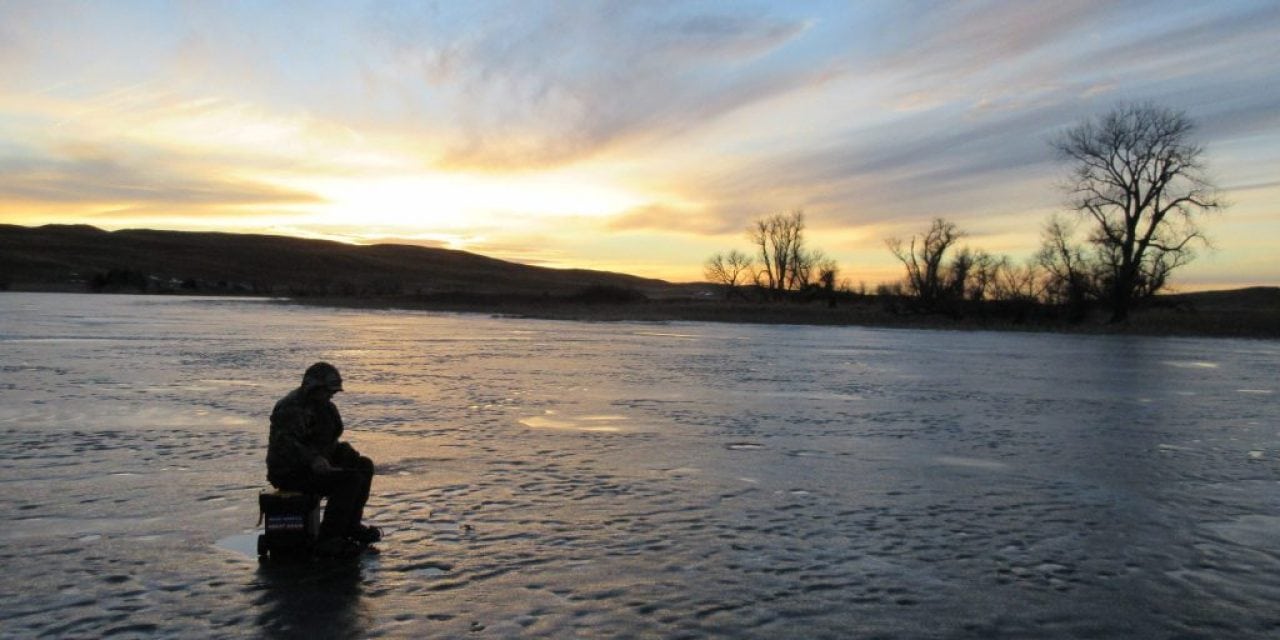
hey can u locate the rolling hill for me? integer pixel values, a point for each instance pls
(79, 257)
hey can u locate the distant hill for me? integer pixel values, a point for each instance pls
(79, 257)
(1254, 311)
(1253, 299)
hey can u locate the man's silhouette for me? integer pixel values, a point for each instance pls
(305, 454)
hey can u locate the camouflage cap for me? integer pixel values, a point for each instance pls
(322, 374)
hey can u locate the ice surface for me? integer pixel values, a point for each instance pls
(557, 479)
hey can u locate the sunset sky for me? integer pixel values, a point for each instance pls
(629, 136)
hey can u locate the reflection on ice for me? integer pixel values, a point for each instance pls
(662, 334)
(243, 544)
(583, 423)
(602, 418)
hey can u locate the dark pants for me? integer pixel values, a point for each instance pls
(347, 489)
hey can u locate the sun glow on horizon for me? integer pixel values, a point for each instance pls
(451, 202)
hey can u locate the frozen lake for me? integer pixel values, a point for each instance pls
(560, 479)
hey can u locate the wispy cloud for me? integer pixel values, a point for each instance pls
(668, 217)
(540, 88)
(112, 178)
(951, 40)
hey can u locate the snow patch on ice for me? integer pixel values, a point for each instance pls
(1191, 364)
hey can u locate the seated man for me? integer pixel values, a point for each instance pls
(304, 454)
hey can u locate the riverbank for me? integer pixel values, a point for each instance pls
(1242, 313)
(1246, 313)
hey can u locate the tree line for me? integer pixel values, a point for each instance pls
(783, 265)
(1137, 188)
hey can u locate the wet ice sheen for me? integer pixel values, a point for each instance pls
(753, 482)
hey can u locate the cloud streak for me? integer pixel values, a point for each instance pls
(571, 81)
(109, 177)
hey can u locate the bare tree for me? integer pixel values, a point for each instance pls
(783, 263)
(808, 268)
(1018, 283)
(1138, 177)
(956, 276)
(1069, 276)
(828, 271)
(779, 242)
(983, 275)
(928, 279)
(731, 269)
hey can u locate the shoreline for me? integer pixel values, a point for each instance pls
(1156, 322)
(1173, 316)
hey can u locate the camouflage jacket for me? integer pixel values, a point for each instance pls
(302, 429)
